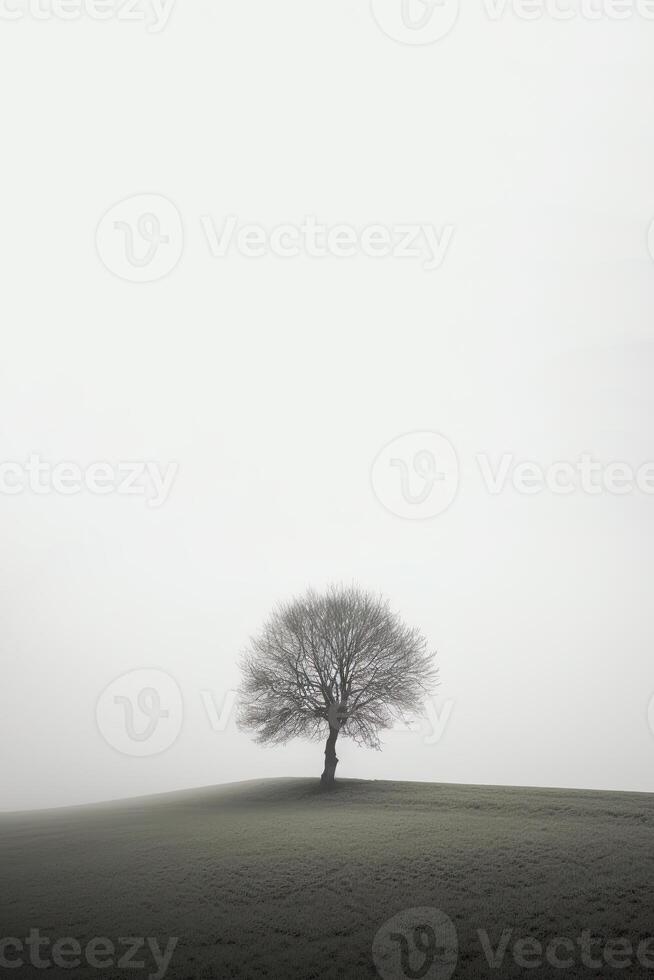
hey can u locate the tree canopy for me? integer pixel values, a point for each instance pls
(341, 660)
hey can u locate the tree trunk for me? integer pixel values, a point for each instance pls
(329, 772)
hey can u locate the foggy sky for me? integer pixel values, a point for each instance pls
(274, 383)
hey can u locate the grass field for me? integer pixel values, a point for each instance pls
(274, 879)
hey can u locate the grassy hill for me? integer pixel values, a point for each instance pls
(274, 879)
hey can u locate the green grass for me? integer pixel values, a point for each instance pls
(275, 879)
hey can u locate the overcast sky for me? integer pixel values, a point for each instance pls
(271, 384)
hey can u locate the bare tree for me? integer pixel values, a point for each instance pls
(341, 660)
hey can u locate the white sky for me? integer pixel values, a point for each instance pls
(274, 383)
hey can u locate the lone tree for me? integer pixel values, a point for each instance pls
(322, 663)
